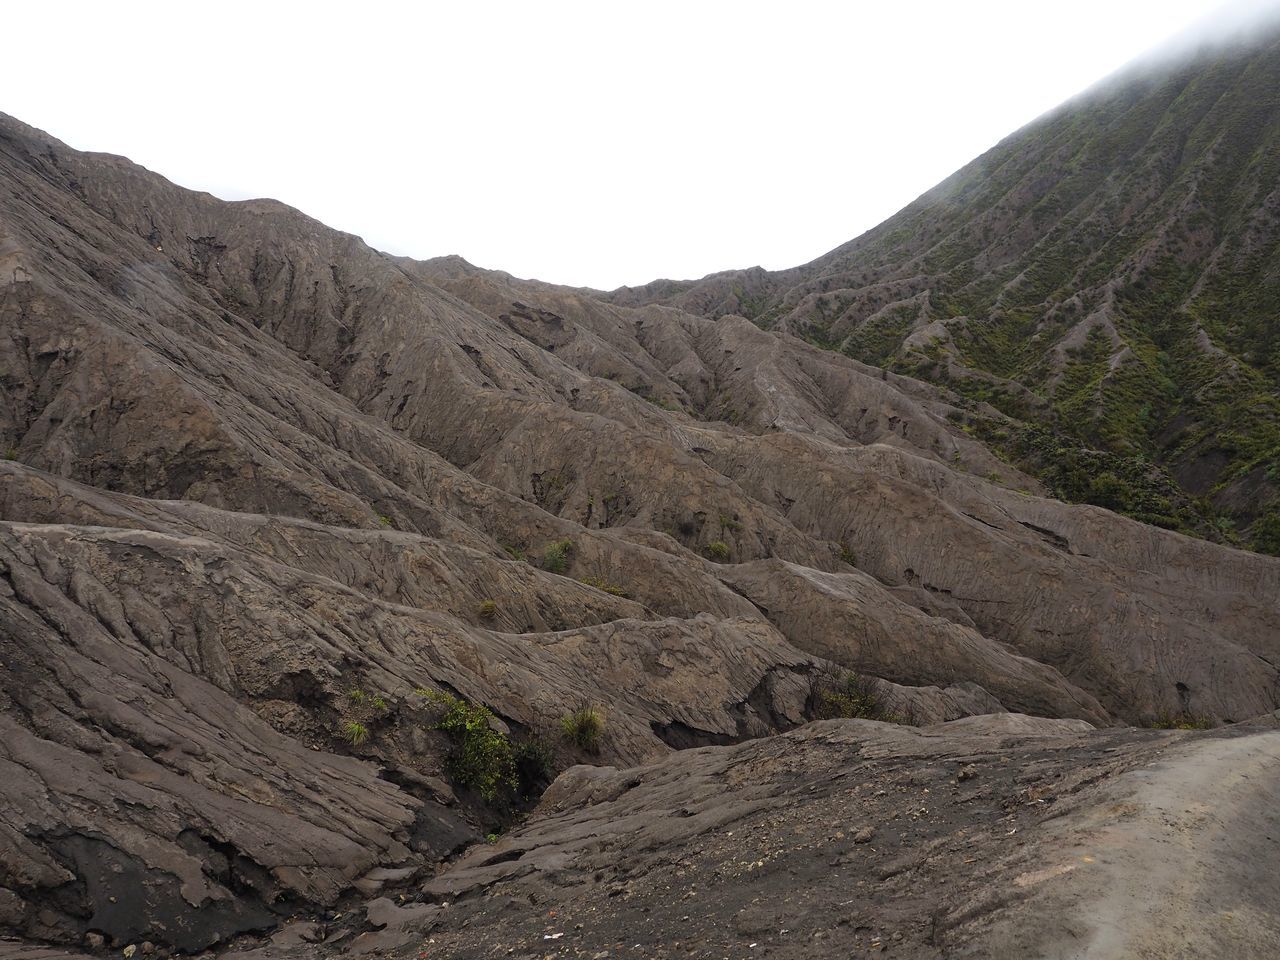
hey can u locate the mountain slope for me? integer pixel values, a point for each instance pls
(272, 496)
(1107, 279)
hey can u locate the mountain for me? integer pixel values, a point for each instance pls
(321, 565)
(1102, 288)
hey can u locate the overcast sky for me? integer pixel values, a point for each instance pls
(589, 143)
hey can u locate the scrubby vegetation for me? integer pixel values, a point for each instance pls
(1182, 721)
(584, 728)
(362, 713)
(850, 696)
(601, 584)
(729, 523)
(355, 733)
(1144, 360)
(662, 404)
(1132, 485)
(481, 758)
(717, 551)
(555, 558)
(486, 609)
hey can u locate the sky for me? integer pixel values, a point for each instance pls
(595, 144)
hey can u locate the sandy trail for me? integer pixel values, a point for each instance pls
(1183, 862)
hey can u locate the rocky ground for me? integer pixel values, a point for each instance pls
(984, 838)
(997, 837)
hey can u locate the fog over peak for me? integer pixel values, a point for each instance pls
(1236, 22)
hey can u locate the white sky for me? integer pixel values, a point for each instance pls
(589, 143)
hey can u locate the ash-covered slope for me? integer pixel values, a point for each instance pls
(267, 486)
(1108, 277)
(1000, 838)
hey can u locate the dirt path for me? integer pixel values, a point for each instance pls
(1183, 863)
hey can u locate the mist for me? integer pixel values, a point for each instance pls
(1235, 23)
(576, 143)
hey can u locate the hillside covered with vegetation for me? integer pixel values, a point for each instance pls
(1102, 288)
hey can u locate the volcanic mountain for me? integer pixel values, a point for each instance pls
(320, 564)
(1101, 291)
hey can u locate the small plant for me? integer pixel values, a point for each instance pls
(584, 728)
(848, 696)
(11, 453)
(601, 584)
(378, 703)
(1182, 721)
(515, 553)
(355, 733)
(555, 558)
(384, 520)
(717, 551)
(356, 696)
(846, 556)
(482, 757)
(491, 838)
(729, 523)
(851, 696)
(486, 609)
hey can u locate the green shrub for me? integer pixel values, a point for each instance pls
(846, 556)
(601, 584)
(1265, 533)
(1108, 490)
(355, 733)
(356, 696)
(384, 520)
(717, 550)
(1183, 721)
(729, 523)
(378, 703)
(850, 696)
(584, 728)
(482, 757)
(487, 609)
(555, 558)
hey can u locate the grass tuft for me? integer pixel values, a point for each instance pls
(584, 728)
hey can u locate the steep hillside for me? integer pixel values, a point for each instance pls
(311, 555)
(1103, 287)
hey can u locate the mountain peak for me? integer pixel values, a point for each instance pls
(1103, 281)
